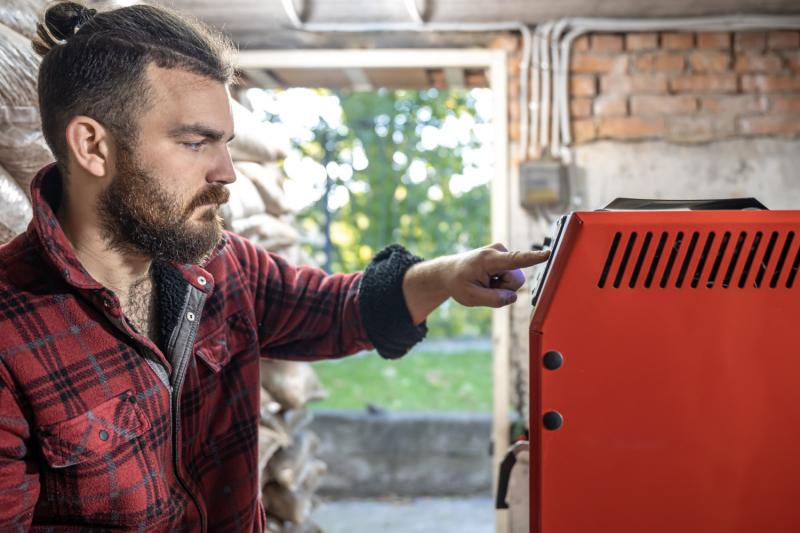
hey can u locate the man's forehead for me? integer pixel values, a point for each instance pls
(179, 97)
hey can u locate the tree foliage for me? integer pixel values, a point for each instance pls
(390, 180)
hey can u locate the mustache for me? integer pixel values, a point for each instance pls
(213, 195)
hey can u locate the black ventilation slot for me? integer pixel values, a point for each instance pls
(625, 257)
(687, 260)
(781, 260)
(735, 259)
(703, 262)
(750, 257)
(671, 261)
(642, 253)
(698, 272)
(793, 271)
(718, 261)
(656, 258)
(762, 269)
(610, 259)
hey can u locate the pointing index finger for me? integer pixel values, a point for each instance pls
(519, 259)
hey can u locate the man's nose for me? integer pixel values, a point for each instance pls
(223, 171)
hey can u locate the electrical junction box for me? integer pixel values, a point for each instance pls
(542, 183)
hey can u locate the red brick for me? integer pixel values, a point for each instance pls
(716, 40)
(794, 62)
(749, 62)
(750, 40)
(583, 130)
(660, 62)
(598, 64)
(698, 128)
(631, 128)
(581, 107)
(606, 42)
(582, 85)
(709, 61)
(763, 83)
(581, 44)
(663, 105)
(641, 41)
(699, 83)
(677, 41)
(785, 104)
(783, 40)
(611, 106)
(734, 104)
(770, 125)
(634, 84)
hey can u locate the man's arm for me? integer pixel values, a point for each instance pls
(19, 477)
(487, 277)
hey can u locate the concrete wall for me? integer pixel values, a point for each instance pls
(768, 169)
(403, 454)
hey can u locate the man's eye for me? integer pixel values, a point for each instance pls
(195, 147)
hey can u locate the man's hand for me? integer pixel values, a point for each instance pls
(488, 276)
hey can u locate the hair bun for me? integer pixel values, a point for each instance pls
(60, 22)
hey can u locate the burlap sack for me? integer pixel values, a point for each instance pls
(269, 442)
(23, 150)
(285, 504)
(22, 15)
(244, 200)
(266, 230)
(256, 141)
(15, 209)
(288, 466)
(19, 67)
(266, 179)
(290, 383)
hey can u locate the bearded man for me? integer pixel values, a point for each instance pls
(131, 324)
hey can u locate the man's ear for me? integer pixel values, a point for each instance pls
(88, 142)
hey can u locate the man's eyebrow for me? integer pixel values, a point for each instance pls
(199, 129)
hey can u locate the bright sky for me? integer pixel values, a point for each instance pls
(301, 109)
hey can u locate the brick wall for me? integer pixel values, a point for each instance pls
(685, 87)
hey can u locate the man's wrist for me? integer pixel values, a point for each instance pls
(425, 286)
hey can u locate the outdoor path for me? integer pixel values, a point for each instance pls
(418, 515)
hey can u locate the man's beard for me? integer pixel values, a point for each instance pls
(139, 216)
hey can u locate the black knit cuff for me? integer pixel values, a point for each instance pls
(382, 304)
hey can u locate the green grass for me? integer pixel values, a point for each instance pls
(424, 381)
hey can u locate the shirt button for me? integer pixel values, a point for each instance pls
(202, 281)
(103, 434)
(190, 317)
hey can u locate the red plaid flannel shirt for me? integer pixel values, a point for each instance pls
(101, 429)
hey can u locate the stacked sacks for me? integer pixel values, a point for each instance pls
(23, 150)
(293, 473)
(258, 210)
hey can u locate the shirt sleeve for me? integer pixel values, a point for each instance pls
(19, 476)
(306, 314)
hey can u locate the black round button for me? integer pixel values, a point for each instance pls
(553, 360)
(103, 434)
(552, 420)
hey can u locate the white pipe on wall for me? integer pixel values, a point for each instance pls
(560, 50)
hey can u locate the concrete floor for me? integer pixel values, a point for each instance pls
(418, 515)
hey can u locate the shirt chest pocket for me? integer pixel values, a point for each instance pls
(233, 338)
(101, 466)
